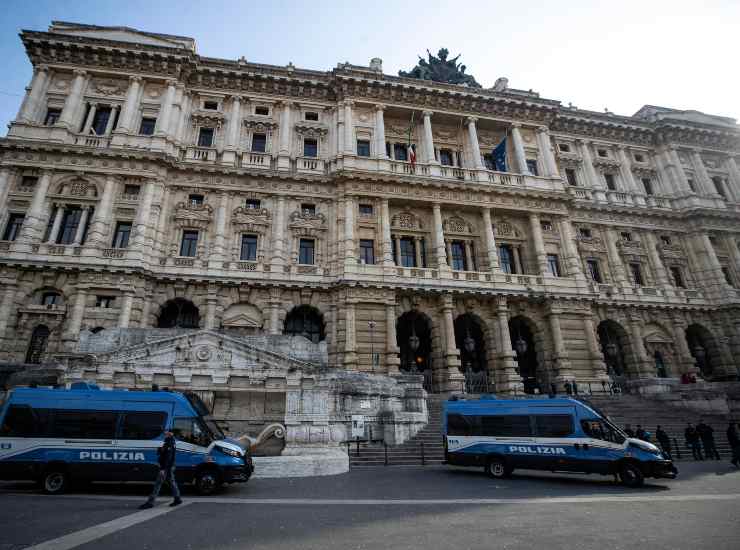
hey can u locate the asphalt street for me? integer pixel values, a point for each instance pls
(406, 508)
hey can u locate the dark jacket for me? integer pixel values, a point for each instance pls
(691, 435)
(706, 432)
(166, 453)
(641, 434)
(629, 432)
(662, 438)
(732, 437)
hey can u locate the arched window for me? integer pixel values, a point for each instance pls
(179, 313)
(305, 321)
(51, 299)
(37, 345)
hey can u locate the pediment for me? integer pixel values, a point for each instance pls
(124, 34)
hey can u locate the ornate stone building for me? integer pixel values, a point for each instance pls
(144, 186)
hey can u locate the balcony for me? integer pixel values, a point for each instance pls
(309, 165)
(98, 142)
(256, 160)
(200, 154)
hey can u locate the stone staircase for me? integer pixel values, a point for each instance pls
(425, 448)
(632, 409)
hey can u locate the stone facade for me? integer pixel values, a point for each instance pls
(143, 186)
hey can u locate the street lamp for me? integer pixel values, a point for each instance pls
(413, 344)
(371, 325)
(469, 345)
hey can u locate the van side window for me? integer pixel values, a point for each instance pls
(600, 430)
(189, 430)
(553, 425)
(505, 426)
(142, 425)
(458, 424)
(70, 424)
(19, 422)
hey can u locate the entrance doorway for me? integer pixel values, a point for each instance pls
(414, 337)
(525, 352)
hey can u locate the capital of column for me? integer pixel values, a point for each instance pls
(170, 82)
(349, 102)
(502, 304)
(79, 72)
(516, 124)
(427, 114)
(471, 120)
(41, 68)
(379, 107)
(543, 130)
(135, 78)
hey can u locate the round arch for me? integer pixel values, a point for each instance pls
(470, 339)
(703, 348)
(37, 344)
(81, 186)
(305, 321)
(178, 313)
(522, 331)
(414, 337)
(616, 347)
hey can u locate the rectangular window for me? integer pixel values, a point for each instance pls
(639, 157)
(249, 248)
(308, 209)
(205, 137)
(68, 424)
(259, 143)
(366, 209)
(400, 151)
(506, 259)
(553, 425)
(457, 248)
(408, 252)
(142, 425)
(594, 271)
(691, 185)
(310, 148)
(367, 251)
(131, 190)
(306, 252)
(253, 203)
(488, 162)
(564, 147)
(505, 426)
(100, 120)
(546, 225)
(23, 421)
(312, 115)
(147, 126)
(648, 185)
(457, 424)
(584, 232)
(636, 272)
(532, 167)
(553, 266)
(445, 157)
(677, 277)
(122, 234)
(70, 222)
(388, 149)
(196, 200)
(570, 175)
(666, 240)
(49, 299)
(210, 105)
(626, 236)
(261, 110)
(719, 186)
(363, 148)
(52, 116)
(13, 227)
(189, 244)
(106, 302)
(728, 276)
(602, 153)
(610, 184)
(28, 183)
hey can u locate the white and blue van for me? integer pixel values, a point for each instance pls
(56, 436)
(559, 435)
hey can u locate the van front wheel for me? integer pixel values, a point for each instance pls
(498, 469)
(206, 482)
(54, 482)
(631, 476)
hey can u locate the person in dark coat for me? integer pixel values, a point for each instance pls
(692, 441)
(641, 434)
(166, 458)
(628, 430)
(706, 434)
(664, 441)
(734, 440)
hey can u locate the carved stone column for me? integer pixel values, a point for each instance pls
(418, 245)
(285, 134)
(625, 168)
(6, 307)
(506, 376)
(734, 172)
(5, 180)
(592, 178)
(687, 363)
(141, 228)
(218, 252)
(598, 365)
(545, 145)
(561, 363)
(35, 220)
(72, 334)
(392, 360)
(385, 224)
(163, 120)
(275, 303)
(702, 176)
(124, 316)
(572, 259)
(278, 236)
(380, 132)
(490, 241)
(439, 239)
(58, 210)
(539, 244)
(68, 116)
(450, 379)
(350, 337)
(616, 266)
(428, 138)
(679, 175)
(101, 221)
(33, 100)
(474, 144)
(349, 128)
(638, 344)
(519, 154)
(80, 233)
(661, 275)
(90, 118)
(350, 256)
(234, 123)
(130, 107)
(470, 264)
(111, 120)
(211, 305)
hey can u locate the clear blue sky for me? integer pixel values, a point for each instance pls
(596, 54)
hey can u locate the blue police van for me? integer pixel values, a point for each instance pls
(56, 436)
(558, 434)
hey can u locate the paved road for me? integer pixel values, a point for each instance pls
(405, 508)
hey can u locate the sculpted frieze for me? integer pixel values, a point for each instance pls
(458, 225)
(250, 217)
(110, 87)
(305, 219)
(193, 215)
(406, 220)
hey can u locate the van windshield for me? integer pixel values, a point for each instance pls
(213, 427)
(600, 428)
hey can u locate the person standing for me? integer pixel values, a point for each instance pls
(166, 458)
(641, 434)
(628, 430)
(706, 434)
(734, 440)
(692, 441)
(664, 441)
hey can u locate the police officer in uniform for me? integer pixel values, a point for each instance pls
(166, 457)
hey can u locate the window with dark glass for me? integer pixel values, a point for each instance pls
(488, 161)
(445, 157)
(306, 251)
(86, 424)
(506, 259)
(553, 425)
(636, 272)
(70, 222)
(142, 425)
(601, 152)
(677, 277)
(131, 190)
(728, 276)
(363, 148)
(665, 239)
(189, 244)
(253, 203)
(205, 137)
(648, 185)
(691, 185)
(191, 430)
(719, 186)
(106, 302)
(311, 115)
(23, 421)
(505, 426)
(52, 116)
(366, 209)
(122, 234)
(639, 158)
(28, 183)
(457, 249)
(367, 251)
(13, 227)
(196, 200)
(532, 167)
(585, 232)
(310, 148)
(546, 225)
(100, 120)
(308, 209)
(259, 143)
(408, 252)
(249, 248)
(147, 126)
(594, 271)
(570, 175)
(388, 149)
(50, 298)
(626, 236)
(210, 105)
(553, 266)
(564, 147)
(610, 183)
(400, 151)
(261, 110)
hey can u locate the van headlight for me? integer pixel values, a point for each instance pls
(229, 452)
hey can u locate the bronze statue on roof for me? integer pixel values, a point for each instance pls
(441, 69)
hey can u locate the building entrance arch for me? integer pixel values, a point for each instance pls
(615, 345)
(37, 344)
(414, 337)
(704, 349)
(305, 321)
(521, 330)
(179, 313)
(470, 340)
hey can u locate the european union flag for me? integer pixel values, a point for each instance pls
(499, 156)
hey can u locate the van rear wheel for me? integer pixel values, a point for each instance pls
(498, 469)
(631, 476)
(207, 482)
(54, 481)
